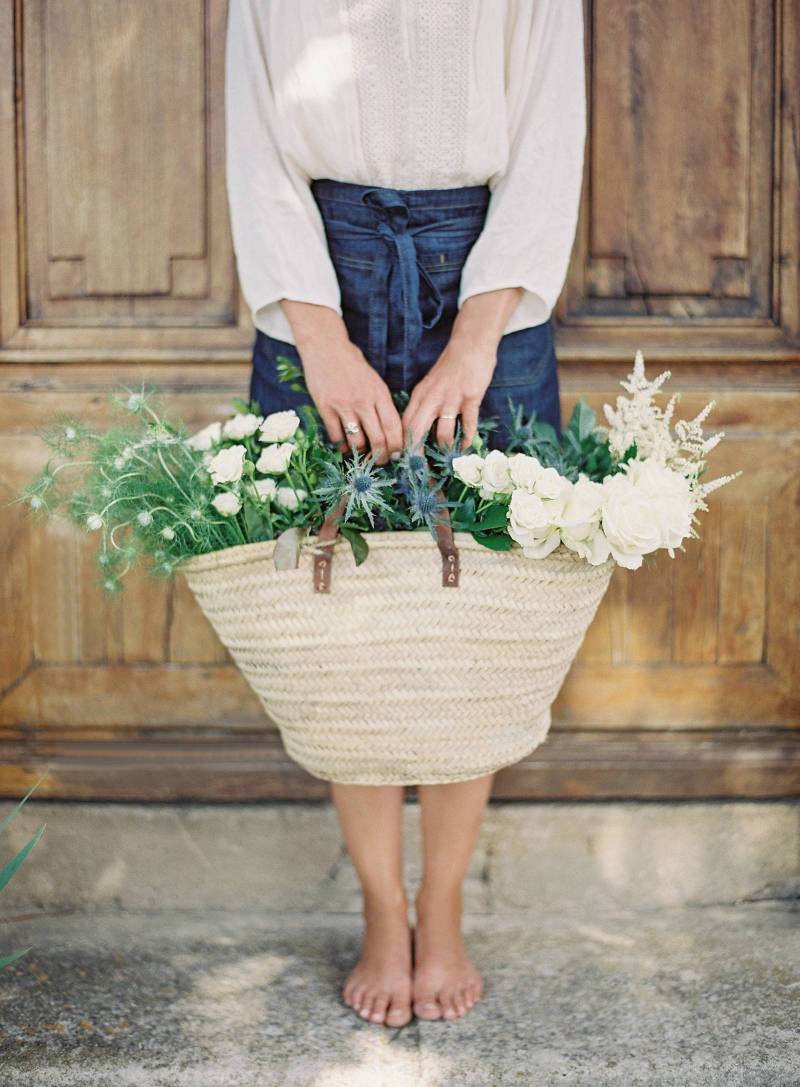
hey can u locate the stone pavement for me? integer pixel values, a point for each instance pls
(686, 996)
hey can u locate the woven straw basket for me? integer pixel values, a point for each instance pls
(390, 677)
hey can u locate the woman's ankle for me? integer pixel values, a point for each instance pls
(384, 901)
(438, 899)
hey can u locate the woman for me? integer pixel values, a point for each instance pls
(403, 181)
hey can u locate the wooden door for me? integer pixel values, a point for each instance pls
(116, 264)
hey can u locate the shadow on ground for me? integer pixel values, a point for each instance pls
(667, 998)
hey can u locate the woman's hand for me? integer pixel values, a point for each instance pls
(456, 383)
(342, 384)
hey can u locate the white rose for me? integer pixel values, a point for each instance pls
(290, 497)
(468, 469)
(579, 521)
(241, 426)
(94, 521)
(275, 458)
(265, 488)
(204, 438)
(227, 503)
(227, 465)
(524, 470)
(671, 496)
(629, 521)
(552, 485)
(495, 478)
(279, 426)
(530, 524)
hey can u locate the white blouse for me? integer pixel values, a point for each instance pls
(408, 94)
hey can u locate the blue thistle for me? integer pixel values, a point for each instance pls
(360, 481)
(425, 507)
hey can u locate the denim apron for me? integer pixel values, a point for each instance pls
(398, 256)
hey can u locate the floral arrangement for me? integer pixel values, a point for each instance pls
(153, 491)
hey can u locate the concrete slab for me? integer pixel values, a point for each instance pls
(556, 856)
(682, 997)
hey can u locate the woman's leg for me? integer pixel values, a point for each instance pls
(379, 987)
(446, 984)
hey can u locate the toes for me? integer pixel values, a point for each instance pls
(427, 1008)
(365, 1007)
(379, 1006)
(448, 1005)
(398, 1015)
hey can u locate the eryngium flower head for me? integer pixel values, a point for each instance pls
(361, 481)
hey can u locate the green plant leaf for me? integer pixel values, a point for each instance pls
(10, 869)
(496, 516)
(358, 544)
(583, 421)
(6, 960)
(240, 405)
(7, 819)
(494, 543)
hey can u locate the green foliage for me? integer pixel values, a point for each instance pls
(10, 869)
(144, 487)
(582, 447)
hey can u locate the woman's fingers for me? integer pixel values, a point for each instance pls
(446, 427)
(469, 421)
(332, 425)
(355, 434)
(418, 419)
(390, 421)
(375, 435)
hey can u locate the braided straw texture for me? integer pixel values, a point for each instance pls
(391, 679)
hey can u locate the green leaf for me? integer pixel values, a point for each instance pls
(254, 524)
(7, 819)
(240, 405)
(494, 543)
(8, 959)
(358, 544)
(496, 516)
(583, 421)
(10, 869)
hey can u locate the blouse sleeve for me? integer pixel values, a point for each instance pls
(278, 234)
(530, 225)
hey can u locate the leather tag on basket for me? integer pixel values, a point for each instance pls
(448, 551)
(323, 552)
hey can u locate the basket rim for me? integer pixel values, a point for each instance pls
(418, 539)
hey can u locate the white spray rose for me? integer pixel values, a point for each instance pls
(227, 503)
(524, 470)
(671, 496)
(227, 465)
(551, 485)
(279, 426)
(495, 478)
(265, 488)
(530, 524)
(289, 497)
(579, 521)
(275, 458)
(205, 438)
(241, 426)
(630, 520)
(468, 469)
(94, 521)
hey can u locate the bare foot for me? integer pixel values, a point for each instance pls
(446, 983)
(379, 987)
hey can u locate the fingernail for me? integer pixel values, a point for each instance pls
(395, 456)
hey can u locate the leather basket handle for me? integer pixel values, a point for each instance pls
(328, 534)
